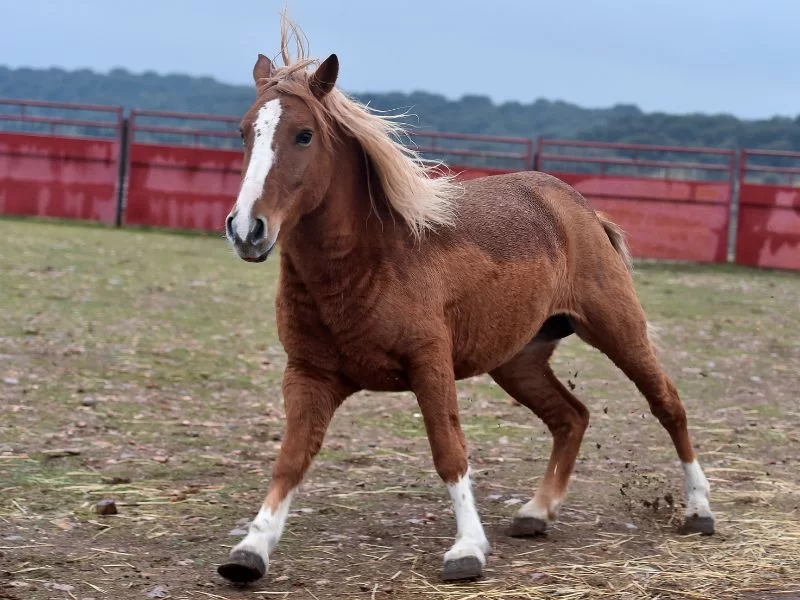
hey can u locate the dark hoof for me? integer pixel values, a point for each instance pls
(697, 524)
(527, 527)
(466, 567)
(243, 567)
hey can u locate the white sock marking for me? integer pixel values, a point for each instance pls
(470, 539)
(262, 156)
(697, 490)
(535, 508)
(266, 530)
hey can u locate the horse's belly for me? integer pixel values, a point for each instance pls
(375, 371)
(489, 335)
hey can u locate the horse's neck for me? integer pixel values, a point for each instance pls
(343, 239)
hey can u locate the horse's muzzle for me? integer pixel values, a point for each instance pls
(256, 245)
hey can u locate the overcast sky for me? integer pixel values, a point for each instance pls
(735, 56)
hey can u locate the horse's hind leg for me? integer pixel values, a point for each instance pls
(529, 379)
(613, 321)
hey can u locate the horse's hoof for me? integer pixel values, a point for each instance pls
(698, 524)
(527, 527)
(243, 567)
(466, 567)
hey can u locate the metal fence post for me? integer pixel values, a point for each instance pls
(122, 170)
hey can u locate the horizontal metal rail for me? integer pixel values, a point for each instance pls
(61, 105)
(636, 162)
(637, 147)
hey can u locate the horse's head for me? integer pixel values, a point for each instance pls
(288, 161)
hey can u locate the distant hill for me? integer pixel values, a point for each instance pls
(469, 114)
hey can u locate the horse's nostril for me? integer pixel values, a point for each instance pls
(258, 231)
(229, 226)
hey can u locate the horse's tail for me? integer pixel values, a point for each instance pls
(617, 238)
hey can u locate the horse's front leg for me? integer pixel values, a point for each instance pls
(433, 382)
(310, 399)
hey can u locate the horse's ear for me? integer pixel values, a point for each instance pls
(324, 78)
(263, 68)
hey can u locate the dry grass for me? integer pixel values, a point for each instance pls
(132, 368)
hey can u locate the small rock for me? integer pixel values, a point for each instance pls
(416, 521)
(237, 532)
(10, 380)
(494, 496)
(511, 501)
(116, 480)
(159, 591)
(88, 401)
(630, 526)
(755, 378)
(61, 452)
(106, 506)
(323, 582)
(282, 578)
(61, 587)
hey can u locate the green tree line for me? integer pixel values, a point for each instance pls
(469, 114)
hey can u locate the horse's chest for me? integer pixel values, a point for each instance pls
(369, 358)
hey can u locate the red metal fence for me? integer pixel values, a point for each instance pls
(175, 182)
(183, 171)
(673, 202)
(768, 228)
(473, 155)
(59, 160)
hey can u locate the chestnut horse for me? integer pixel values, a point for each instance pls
(395, 277)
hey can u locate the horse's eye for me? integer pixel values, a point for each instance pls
(303, 138)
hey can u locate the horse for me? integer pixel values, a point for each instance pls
(397, 276)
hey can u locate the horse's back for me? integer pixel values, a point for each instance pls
(524, 215)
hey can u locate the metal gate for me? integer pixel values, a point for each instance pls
(59, 160)
(672, 202)
(768, 229)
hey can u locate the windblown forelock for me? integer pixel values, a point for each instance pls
(294, 82)
(420, 191)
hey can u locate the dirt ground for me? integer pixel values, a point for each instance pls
(144, 367)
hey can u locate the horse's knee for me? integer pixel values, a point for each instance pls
(570, 423)
(581, 418)
(667, 407)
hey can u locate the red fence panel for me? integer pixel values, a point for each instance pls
(54, 162)
(669, 209)
(768, 231)
(174, 180)
(490, 154)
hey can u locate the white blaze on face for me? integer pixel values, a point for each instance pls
(470, 539)
(266, 530)
(262, 156)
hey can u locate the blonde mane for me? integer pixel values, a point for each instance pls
(421, 192)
